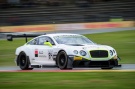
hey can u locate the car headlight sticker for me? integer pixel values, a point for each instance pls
(111, 52)
(83, 53)
(75, 52)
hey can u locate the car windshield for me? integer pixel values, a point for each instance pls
(72, 39)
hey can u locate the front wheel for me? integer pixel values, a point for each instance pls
(62, 60)
(24, 62)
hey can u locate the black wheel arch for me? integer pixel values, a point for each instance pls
(60, 51)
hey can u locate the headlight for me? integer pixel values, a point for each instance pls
(75, 52)
(83, 53)
(111, 52)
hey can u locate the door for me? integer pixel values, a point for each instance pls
(43, 54)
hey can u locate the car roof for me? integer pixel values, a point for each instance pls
(59, 34)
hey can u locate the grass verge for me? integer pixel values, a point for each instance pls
(102, 80)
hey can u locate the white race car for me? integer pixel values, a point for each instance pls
(64, 51)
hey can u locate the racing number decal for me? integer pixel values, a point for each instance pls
(50, 54)
(36, 53)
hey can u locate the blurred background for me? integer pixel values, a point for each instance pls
(46, 12)
(69, 15)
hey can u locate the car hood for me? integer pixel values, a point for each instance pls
(97, 47)
(86, 46)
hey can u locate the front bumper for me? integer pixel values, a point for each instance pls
(78, 62)
(109, 63)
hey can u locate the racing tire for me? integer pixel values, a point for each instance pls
(62, 60)
(24, 62)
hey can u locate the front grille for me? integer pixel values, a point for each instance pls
(99, 53)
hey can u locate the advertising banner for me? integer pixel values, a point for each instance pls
(100, 25)
(71, 26)
(29, 28)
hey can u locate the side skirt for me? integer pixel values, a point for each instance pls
(43, 66)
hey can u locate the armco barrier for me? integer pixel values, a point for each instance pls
(71, 26)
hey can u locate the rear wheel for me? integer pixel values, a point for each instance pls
(24, 62)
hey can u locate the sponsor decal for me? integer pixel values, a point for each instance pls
(36, 52)
(42, 56)
(77, 58)
(41, 52)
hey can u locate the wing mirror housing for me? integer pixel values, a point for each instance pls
(48, 43)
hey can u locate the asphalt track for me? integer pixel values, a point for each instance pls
(123, 68)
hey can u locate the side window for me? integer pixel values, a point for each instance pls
(45, 39)
(42, 40)
(50, 40)
(33, 42)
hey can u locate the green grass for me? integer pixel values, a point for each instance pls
(123, 42)
(7, 51)
(85, 80)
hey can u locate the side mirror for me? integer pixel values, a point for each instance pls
(48, 43)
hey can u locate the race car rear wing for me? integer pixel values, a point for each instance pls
(11, 36)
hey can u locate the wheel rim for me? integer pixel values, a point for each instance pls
(62, 60)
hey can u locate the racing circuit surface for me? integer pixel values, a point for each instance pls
(124, 67)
